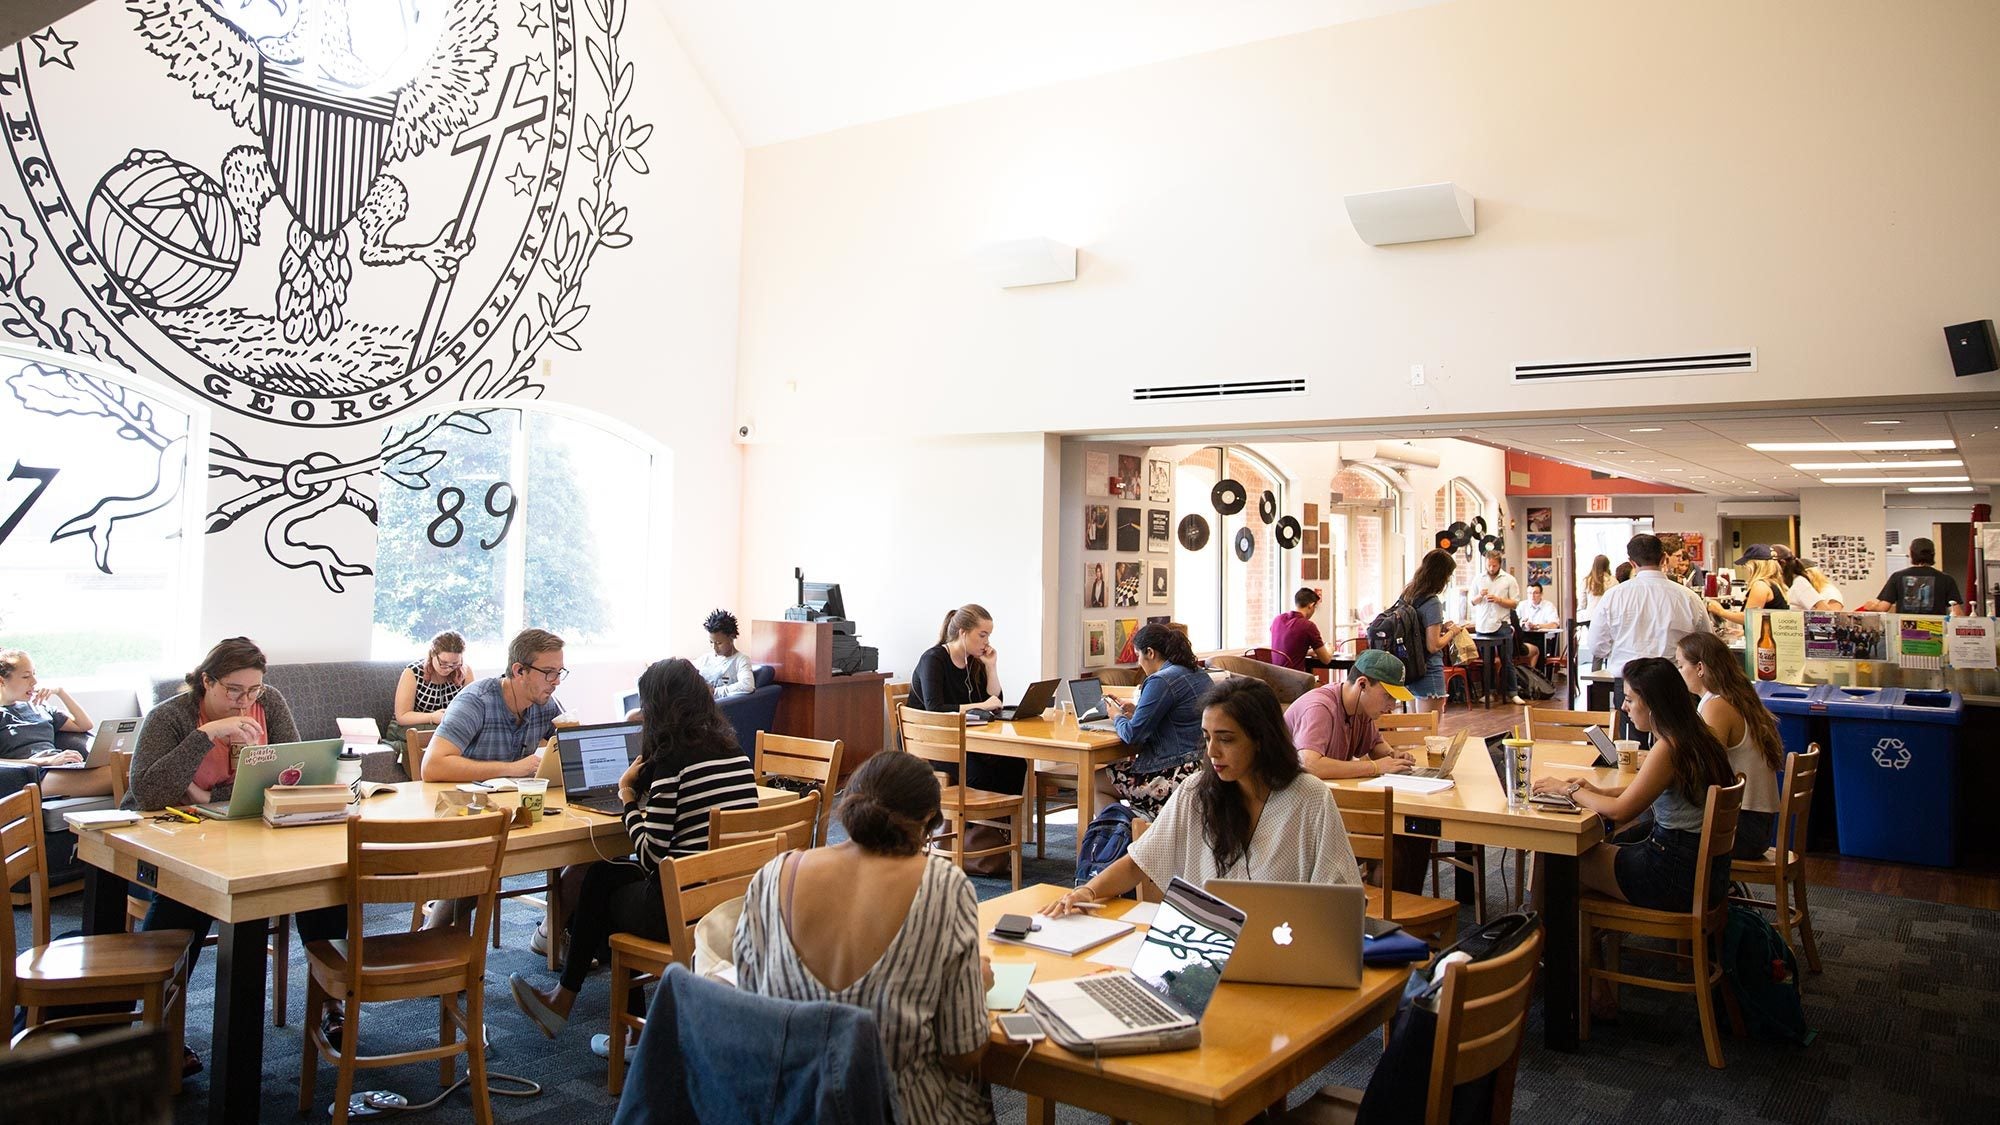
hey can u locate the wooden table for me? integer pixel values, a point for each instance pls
(243, 873)
(1474, 811)
(1032, 739)
(1259, 1041)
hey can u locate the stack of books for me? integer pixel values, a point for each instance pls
(287, 806)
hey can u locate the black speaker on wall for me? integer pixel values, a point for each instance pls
(1972, 348)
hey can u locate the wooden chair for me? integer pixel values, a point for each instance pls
(1697, 926)
(408, 861)
(1482, 1010)
(939, 737)
(794, 823)
(1406, 731)
(803, 759)
(1783, 868)
(690, 886)
(1552, 724)
(278, 949)
(1461, 673)
(414, 742)
(1370, 817)
(894, 693)
(148, 970)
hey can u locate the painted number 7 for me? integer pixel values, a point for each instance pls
(42, 477)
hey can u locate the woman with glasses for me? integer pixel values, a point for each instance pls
(429, 685)
(187, 755)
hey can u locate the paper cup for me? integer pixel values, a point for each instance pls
(1628, 754)
(534, 791)
(1435, 746)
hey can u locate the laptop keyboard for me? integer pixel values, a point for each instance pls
(1128, 1000)
(1425, 771)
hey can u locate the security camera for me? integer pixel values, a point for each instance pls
(746, 431)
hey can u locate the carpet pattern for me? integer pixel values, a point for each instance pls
(1907, 1011)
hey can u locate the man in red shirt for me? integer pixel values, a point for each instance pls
(1333, 729)
(1294, 637)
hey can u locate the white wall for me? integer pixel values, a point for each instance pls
(1914, 521)
(1846, 510)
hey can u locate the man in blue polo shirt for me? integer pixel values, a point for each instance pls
(496, 727)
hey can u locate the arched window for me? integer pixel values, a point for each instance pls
(1364, 515)
(533, 514)
(1226, 602)
(101, 517)
(1460, 501)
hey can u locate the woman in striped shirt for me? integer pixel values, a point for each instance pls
(911, 956)
(688, 764)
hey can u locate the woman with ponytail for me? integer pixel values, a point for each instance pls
(912, 957)
(1741, 722)
(959, 673)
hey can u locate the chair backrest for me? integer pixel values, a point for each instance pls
(1267, 655)
(121, 776)
(414, 744)
(1481, 1013)
(935, 736)
(1553, 724)
(807, 759)
(796, 822)
(1406, 732)
(1369, 816)
(448, 857)
(894, 693)
(1795, 794)
(22, 857)
(693, 885)
(1718, 835)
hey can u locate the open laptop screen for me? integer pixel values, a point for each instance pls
(595, 757)
(1086, 695)
(1189, 943)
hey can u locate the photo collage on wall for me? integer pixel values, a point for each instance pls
(1844, 558)
(1137, 529)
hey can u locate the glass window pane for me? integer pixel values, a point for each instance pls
(1196, 573)
(588, 512)
(1250, 593)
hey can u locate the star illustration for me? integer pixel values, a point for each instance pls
(537, 68)
(531, 18)
(532, 137)
(522, 180)
(54, 48)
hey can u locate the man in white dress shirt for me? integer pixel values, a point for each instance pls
(1644, 617)
(1494, 596)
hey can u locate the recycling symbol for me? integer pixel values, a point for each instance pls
(1891, 754)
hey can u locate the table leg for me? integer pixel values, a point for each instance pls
(103, 901)
(1086, 795)
(1560, 988)
(236, 1060)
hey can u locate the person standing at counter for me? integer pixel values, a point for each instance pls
(1919, 587)
(1762, 586)
(1163, 725)
(1806, 586)
(960, 672)
(1646, 616)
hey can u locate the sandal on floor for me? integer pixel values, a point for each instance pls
(532, 1006)
(190, 1062)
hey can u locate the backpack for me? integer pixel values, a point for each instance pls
(1107, 838)
(1761, 973)
(1400, 630)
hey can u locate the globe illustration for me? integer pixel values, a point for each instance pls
(165, 231)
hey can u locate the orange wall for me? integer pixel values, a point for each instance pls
(1529, 475)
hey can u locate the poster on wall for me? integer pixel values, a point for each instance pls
(1970, 642)
(1309, 568)
(1122, 644)
(1125, 590)
(1696, 546)
(1540, 545)
(1128, 529)
(1541, 573)
(1096, 644)
(1311, 544)
(1921, 644)
(1097, 474)
(1096, 591)
(1844, 558)
(1128, 477)
(1843, 636)
(1159, 531)
(1541, 521)
(1159, 481)
(1097, 527)
(1788, 632)
(1156, 593)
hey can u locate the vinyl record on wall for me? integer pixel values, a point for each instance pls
(1288, 533)
(1489, 545)
(1267, 506)
(1445, 542)
(1246, 544)
(1479, 525)
(1193, 532)
(1227, 496)
(1460, 533)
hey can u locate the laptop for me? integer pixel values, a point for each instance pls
(1296, 933)
(1087, 695)
(358, 736)
(260, 767)
(592, 759)
(1607, 750)
(1034, 701)
(112, 736)
(1158, 1003)
(1450, 760)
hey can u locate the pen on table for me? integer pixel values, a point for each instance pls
(1086, 906)
(182, 814)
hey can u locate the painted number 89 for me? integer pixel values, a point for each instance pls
(446, 530)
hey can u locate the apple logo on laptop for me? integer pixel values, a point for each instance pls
(1282, 933)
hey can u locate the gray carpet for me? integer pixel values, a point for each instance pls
(1908, 1015)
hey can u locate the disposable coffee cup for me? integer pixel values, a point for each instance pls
(1628, 755)
(534, 791)
(1435, 746)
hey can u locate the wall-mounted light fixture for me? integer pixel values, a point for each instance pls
(1026, 261)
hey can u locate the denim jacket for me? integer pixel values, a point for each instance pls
(1165, 727)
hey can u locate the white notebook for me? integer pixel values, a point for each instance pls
(1408, 784)
(1071, 935)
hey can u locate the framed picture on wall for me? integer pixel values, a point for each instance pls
(1156, 593)
(1309, 568)
(1096, 591)
(1311, 543)
(1159, 531)
(1541, 519)
(1125, 590)
(1159, 481)
(1128, 529)
(1097, 474)
(1128, 477)
(1310, 515)
(1121, 643)
(1097, 527)
(1542, 573)
(1541, 545)
(1096, 644)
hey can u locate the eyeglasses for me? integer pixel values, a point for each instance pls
(451, 667)
(242, 694)
(557, 675)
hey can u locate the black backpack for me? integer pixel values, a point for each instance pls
(1400, 630)
(1105, 839)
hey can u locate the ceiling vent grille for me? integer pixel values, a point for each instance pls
(1640, 367)
(1242, 388)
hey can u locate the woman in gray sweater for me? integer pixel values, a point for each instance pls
(187, 755)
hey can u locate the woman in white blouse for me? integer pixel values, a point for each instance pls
(726, 670)
(1251, 813)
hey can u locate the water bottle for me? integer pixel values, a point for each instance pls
(1520, 760)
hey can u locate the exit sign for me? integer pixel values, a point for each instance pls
(1598, 505)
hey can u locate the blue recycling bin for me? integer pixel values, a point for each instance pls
(1895, 765)
(1793, 705)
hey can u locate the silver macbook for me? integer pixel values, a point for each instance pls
(1087, 695)
(112, 736)
(1296, 933)
(1168, 987)
(1450, 759)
